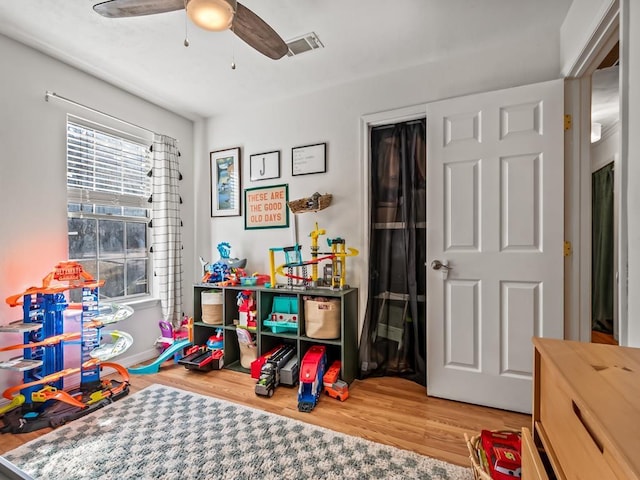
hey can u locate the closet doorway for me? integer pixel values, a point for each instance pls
(605, 200)
(393, 338)
(594, 94)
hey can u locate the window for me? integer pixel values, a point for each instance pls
(108, 210)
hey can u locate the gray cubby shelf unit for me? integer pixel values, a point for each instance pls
(344, 348)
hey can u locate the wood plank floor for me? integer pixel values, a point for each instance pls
(385, 410)
(600, 337)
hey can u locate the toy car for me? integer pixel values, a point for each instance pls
(312, 370)
(503, 454)
(267, 382)
(334, 387)
(338, 389)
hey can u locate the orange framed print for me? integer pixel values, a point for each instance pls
(266, 207)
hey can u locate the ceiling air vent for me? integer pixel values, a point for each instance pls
(302, 44)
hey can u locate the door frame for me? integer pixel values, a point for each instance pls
(367, 122)
(578, 183)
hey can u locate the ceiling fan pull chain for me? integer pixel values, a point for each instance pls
(186, 26)
(233, 56)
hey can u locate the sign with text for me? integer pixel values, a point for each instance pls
(309, 159)
(266, 207)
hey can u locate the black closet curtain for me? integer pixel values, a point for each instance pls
(393, 340)
(602, 261)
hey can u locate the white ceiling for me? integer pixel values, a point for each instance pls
(146, 56)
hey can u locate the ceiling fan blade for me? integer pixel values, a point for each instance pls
(256, 33)
(136, 8)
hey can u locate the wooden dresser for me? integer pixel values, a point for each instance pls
(586, 412)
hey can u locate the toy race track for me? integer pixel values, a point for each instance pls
(154, 367)
(293, 260)
(121, 341)
(40, 400)
(47, 342)
(280, 269)
(41, 413)
(58, 413)
(66, 276)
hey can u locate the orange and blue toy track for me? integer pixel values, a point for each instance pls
(40, 400)
(47, 342)
(65, 276)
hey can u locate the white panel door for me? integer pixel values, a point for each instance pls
(495, 216)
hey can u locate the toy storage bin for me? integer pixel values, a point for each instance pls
(248, 353)
(322, 318)
(474, 447)
(479, 472)
(211, 302)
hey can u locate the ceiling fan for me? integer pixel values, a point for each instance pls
(215, 15)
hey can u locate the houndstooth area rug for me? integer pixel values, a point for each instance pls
(165, 433)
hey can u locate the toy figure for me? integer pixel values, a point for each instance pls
(247, 309)
(226, 269)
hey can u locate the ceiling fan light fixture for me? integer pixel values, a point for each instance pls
(213, 15)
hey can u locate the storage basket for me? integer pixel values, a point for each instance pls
(248, 353)
(322, 319)
(473, 445)
(307, 204)
(211, 302)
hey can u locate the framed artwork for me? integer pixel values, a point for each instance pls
(266, 207)
(225, 182)
(309, 159)
(263, 166)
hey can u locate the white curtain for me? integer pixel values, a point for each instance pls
(166, 227)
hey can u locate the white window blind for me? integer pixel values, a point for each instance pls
(105, 168)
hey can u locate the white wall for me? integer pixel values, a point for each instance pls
(333, 116)
(33, 237)
(604, 151)
(580, 22)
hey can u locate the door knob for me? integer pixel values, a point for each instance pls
(438, 265)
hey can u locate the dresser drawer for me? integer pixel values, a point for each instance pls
(574, 437)
(532, 466)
